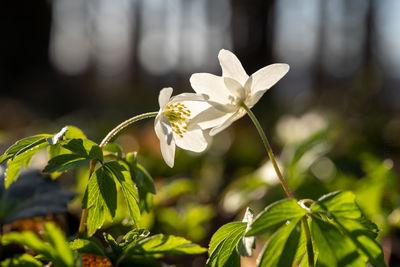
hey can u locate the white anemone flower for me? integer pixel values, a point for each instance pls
(171, 123)
(227, 93)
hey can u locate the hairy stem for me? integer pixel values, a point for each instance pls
(109, 136)
(310, 251)
(124, 124)
(269, 150)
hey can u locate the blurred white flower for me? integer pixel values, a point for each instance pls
(226, 93)
(171, 123)
(291, 130)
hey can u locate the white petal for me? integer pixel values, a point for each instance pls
(235, 87)
(253, 99)
(164, 96)
(189, 97)
(167, 143)
(192, 140)
(240, 113)
(231, 66)
(209, 118)
(210, 85)
(266, 77)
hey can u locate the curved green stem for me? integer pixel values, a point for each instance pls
(310, 251)
(269, 150)
(124, 124)
(109, 136)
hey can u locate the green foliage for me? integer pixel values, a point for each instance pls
(276, 214)
(284, 242)
(20, 154)
(143, 181)
(88, 246)
(54, 248)
(101, 198)
(23, 260)
(128, 188)
(160, 244)
(229, 242)
(350, 237)
(341, 236)
(136, 243)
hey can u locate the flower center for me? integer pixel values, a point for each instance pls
(178, 115)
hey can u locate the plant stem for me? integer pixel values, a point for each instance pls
(269, 150)
(310, 251)
(109, 136)
(124, 124)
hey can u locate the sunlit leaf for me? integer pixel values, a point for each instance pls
(65, 162)
(334, 248)
(21, 159)
(222, 248)
(54, 248)
(164, 244)
(113, 148)
(59, 243)
(23, 145)
(85, 148)
(24, 260)
(282, 246)
(87, 246)
(128, 188)
(275, 214)
(101, 199)
(117, 250)
(341, 204)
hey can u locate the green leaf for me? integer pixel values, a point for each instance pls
(128, 188)
(363, 237)
(334, 248)
(282, 246)
(19, 160)
(24, 260)
(101, 199)
(116, 249)
(164, 244)
(23, 145)
(65, 162)
(85, 148)
(113, 148)
(88, 246)
(59, 243)
(134, 235)
(55, 250)
(275, 214)
(223, 243)
(74, 133)
(340, 204)
(143, 181)
(343, 210)
(28, 239)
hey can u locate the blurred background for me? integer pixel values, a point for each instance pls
(333, 119)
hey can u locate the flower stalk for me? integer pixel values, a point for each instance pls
(109, 136)
(310, 251)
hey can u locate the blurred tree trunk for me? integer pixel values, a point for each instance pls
(25, 29)
(252, 32)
